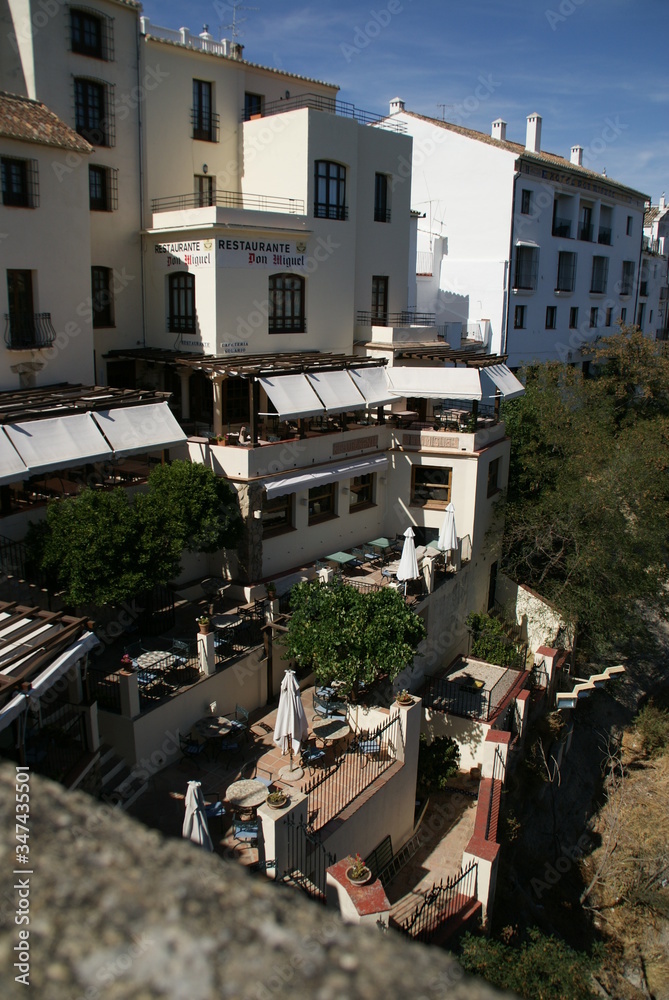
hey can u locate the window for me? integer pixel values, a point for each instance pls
(623, 315)
(381, 205)
(22, 332)
(379, 299)
(594, 317)
(102, 188)
(585, 223)
(277, 515)
(321, 503)
(551, 317)
(600, 274)
(181, 289)
(91, 34)
(493, 476)
(627, 280)
(20, 187)
(431, 486)
(561, 224)
(630, 223)
(93, 111)
(252, 105)
(527, 266)
(640, 314)
(566, 274)
(286, 304)
(203, 119)
(330, 190)
(205, 190)
(525, 202)
(102, 297)
(609, 316)
(362, 491)
(519, 317)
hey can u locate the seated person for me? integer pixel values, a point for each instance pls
(244, 436)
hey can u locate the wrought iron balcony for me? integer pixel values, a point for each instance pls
(562, 227)
(229, 199)
(320, 102)
(604, 236)
(205, 124)
(585, 231)
(24, 331)
(406, 318)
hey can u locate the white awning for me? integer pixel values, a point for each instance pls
(337, 390)
(60, 666)
(527, 243)
(373, 384)
(301, 481)
(435, 383)
(12, 466)
(293, 396)
(58, 442)
(134, 429)
(12, 710)
(507, 383)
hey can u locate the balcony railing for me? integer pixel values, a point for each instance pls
(320, 102)
(585, 232)
(604, 236)
(205, 125)
(406, 318)
(562, 227)
(650, 245)
(28, 330)
(229, 199)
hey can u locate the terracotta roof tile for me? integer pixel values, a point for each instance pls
(520, 150)
(30, 121)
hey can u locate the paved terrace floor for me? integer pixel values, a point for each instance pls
(445, 830)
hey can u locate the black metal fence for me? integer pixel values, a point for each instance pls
(442, 903)
(452, 696)
(236, 639)
(105, 689)
(308, 859)
(55, 745)
(367, 757)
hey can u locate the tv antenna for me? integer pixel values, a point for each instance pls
(443, 110)
(233, 27)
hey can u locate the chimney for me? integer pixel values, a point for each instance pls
(663, 203)
(396, 105)
(533, 138)
(499, 129)
(577, 155)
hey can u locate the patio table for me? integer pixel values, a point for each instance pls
(214, 726)
(341, 558)
(330, 730)
(226, 620)
(248, 793)
(156, 658)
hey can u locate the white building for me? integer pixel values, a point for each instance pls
(530, 253)
(654, 290)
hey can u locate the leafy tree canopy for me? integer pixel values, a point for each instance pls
(103, 547)
(437, 761)
(349, 636)
(586, 509)
(542, 968)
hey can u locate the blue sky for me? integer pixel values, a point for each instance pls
(595, 70)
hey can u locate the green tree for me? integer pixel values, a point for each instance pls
(437, 761)
(542, 968)
(103, 548)
(349, 636)
(586, 507)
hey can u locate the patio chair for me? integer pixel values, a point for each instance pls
(240, 721)
(312, 757)
(327, 705)
(192, 750)
(215, 809)
(245, 831)
(181, 651)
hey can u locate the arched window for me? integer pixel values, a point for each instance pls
(181, 312)
(286, 304)
(330, 190)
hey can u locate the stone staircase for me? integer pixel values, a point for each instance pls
(120, 788)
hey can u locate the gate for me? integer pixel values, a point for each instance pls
(308, 860)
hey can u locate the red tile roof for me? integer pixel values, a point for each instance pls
(31, 121)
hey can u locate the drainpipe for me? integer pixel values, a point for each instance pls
(140, 149)
(507, 278)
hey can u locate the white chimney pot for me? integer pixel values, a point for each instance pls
(533, 137)
(577, 155)
(499, 129)
(396, 105)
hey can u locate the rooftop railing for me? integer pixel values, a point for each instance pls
(229, 199)
(321, 102)
(405, 318)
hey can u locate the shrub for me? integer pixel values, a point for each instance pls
(437, 761)
(652, 725)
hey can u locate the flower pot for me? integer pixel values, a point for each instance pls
(278, 805)
(408, 700)
(362, 879)
(205, 629)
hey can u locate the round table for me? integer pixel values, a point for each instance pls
(330, 730)
(211, 726)
(155, 658)
(246, 793)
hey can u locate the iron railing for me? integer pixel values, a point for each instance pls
(229, 199)
(585, 232)
(25, 331)
(408, 317)
(562, 227)
(604, 236)
(442, 903)
(452, 697)
(367, 757)
(206, 124)
(105, 689)
(236, 639)
(54, 747)
(308, 860)
(320, 102)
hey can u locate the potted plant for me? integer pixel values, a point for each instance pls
(358, 873)
(204, 624)
(271, 590)
(403, 697)
(277, 800)
(127, 662)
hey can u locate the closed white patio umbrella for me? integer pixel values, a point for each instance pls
(408, 567)
(448, 538)
(291, 726)
(195, 825)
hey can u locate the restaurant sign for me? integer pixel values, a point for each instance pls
(263, 254)
(189, 255)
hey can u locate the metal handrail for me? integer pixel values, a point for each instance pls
(229, 199)
(407, 317)
(25, 331)
(319, 102)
